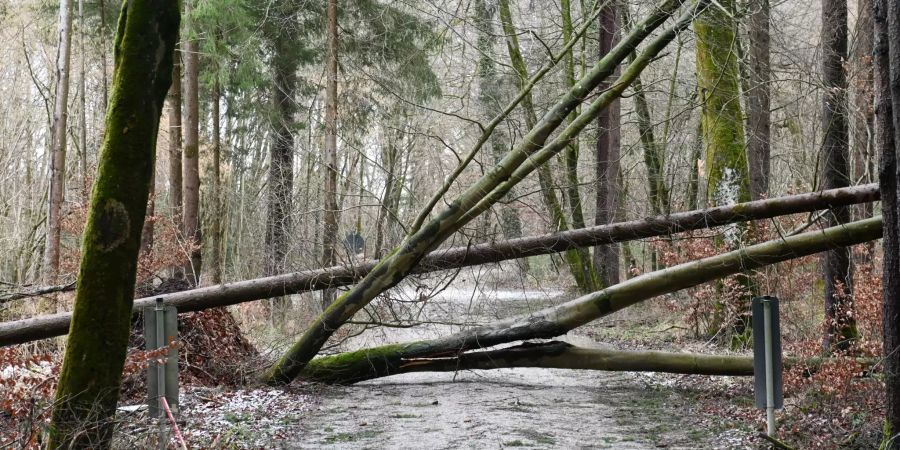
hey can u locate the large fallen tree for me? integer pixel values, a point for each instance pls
(386, 360)
(42, 327)
(562, 355)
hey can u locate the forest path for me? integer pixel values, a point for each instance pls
(522, 407)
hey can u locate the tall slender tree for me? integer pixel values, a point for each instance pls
(840, 326)
(59, 134)
(191, 153)
(608, 153)
(330, 230)
(91, 372)
(758, 100)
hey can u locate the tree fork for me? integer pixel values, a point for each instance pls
(41, 327)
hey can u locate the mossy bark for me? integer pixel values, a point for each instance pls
(722, 125)
(722, 119)
(92, 368)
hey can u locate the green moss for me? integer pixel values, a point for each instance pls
(722, 120)
(95, 354)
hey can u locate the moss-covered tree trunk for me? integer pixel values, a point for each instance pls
(92, 368)
(722, 125)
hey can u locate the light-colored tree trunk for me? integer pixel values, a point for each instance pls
(91, 372)
(191, 154)
(840, 324)
(330, 229)
(82, 111)
(58, 143)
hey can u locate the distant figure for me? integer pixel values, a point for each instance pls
(355, 244)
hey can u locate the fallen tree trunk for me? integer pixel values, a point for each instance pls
(42, 327)
(387, 360)
(562, 355)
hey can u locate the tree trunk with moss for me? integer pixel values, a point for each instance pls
(578, 262)
(840, 324)
(554, 321)
(535, 149)
(330, 228)
(722, 125)
(95, 355)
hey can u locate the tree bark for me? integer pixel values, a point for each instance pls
(244, 291)
(887, 134)
(175, 174)
(215, 250)
(58, 143)
(95, 354)
(606, 257)
(840, 325)
(758, 115)
(863, 127)
(722, 119)
(330, 230)
(554, 321)
(191, 156)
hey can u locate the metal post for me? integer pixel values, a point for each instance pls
(770, 372)
(161, 372)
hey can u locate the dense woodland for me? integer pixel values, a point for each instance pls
(326, 169)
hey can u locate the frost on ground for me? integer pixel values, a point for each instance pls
(214, 418)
